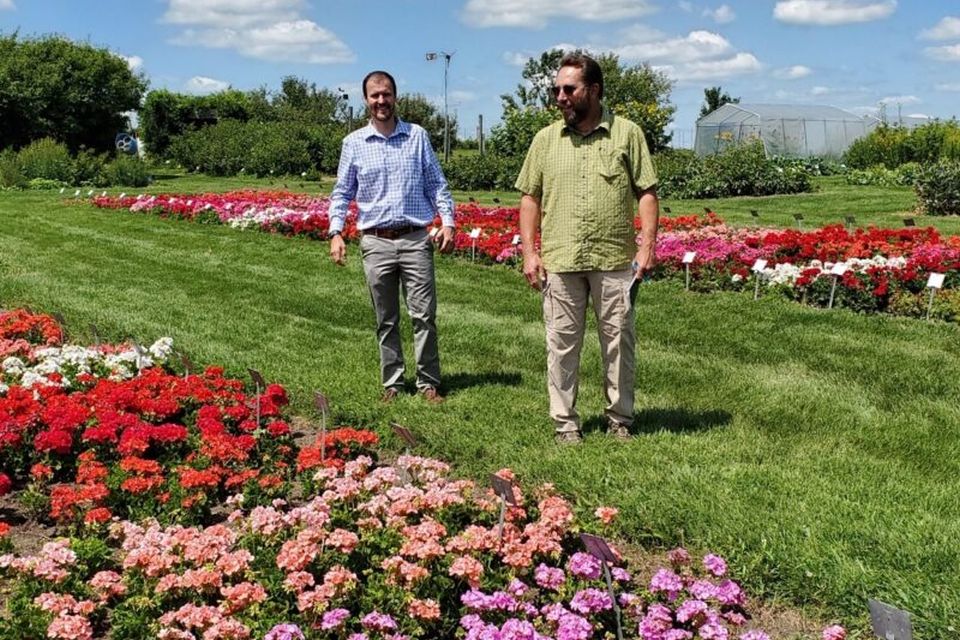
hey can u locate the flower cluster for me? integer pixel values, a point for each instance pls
(402, 551)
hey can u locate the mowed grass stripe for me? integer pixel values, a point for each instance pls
(818, 450)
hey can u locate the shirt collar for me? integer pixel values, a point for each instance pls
(606, 123)
(402, 129)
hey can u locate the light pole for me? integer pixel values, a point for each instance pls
(431, 56)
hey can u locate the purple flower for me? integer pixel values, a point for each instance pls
(713, 631)
(754, 635)
(514, 629)
(659, 620)
(667, 581)
(691, 610)
(549, 577)
(735, 618)
(678, 557)
(377, 621)
(333, 619)
(284, 632)
(475, 599)
(703, 590)
(554, 612)
(471, 621)
(729, 592)
(358, 636)
(835, 632)
(591, 601)
(619, 574)
(716, 565)
(573, 627)
(517, 588)
(678, 634)
(584, 565)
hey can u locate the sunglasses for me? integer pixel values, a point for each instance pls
(567, 89)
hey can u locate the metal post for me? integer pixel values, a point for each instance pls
(446, 117)
(480, 134)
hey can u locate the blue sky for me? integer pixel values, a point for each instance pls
(854, 54)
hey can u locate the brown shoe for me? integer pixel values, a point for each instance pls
(389, 395)
(431, 395)
(618, 430)
(568, 438)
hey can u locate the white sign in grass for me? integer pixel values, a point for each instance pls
(935, 281)
(759, 265)
(688, 258)
(475, 233)
(757, 269)
(836, 271)
(516, 239)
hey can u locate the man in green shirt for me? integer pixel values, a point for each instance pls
(583, 180)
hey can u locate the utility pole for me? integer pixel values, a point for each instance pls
(431, 56)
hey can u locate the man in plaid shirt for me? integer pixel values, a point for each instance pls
(391, 171)
(583, 181)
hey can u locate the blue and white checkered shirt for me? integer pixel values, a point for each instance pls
(395, 181)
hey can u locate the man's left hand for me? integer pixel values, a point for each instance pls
(444, 238)
(644, 261)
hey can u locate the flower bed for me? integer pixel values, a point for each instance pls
(886, 269)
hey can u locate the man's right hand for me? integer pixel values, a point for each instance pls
(533, 270)
(338, 250)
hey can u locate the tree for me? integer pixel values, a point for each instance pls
(300, 100)
(639, 92)
(416, 108)
(75, 93)
(713, 99)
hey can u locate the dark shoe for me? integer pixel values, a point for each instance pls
(618, 430)
(389, 395)
(568, 438)
(431, 395)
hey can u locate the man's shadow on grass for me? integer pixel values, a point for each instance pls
(673, 420)
(455, 382)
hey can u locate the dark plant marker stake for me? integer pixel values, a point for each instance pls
(599, 549)
(504, 490)
(320, 402)
(890, 623)
(260, 384)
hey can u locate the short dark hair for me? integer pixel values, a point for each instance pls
(379, 74)
(592, 74)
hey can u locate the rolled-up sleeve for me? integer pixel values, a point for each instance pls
(345, 190)
(435, 186)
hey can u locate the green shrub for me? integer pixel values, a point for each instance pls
(88, 168)
(739, 170)
(11, 176)
(40, 184)
(482, 172)
(893, 146)
(126, 171)
(46, 158)
(277, 150)
(946, 305)
(938, 188)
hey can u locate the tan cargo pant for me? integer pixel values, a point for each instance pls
(565, 299)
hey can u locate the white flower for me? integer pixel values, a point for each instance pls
(736, 277)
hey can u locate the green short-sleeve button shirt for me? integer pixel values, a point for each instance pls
(588, 187)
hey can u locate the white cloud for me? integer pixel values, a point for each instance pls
(948, 86)
(900, 100)
(832, 12)
(265, 29)
(202, 85)
(739, 64)
(721, 15)
(820, 91)
(232, 14)
(795, 72)
(919, 115)
(134, 62)
(515, 58)
(686, 7)
(534, 14)
(947, 29)
(7, 4)
(949, 53)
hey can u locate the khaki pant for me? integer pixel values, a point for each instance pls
(391, 265)
(564, 311)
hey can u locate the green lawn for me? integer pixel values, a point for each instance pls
(819, 451)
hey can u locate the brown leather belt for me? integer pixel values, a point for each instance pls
(391, 233)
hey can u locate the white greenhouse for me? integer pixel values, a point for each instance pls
(785, 130)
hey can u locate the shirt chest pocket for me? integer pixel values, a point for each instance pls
(613, 168)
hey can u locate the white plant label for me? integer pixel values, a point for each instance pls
(475, 233)
(838, 269)
(432, 232)
(516, 239)
(759, 265)
(689, 256)
(935, 281)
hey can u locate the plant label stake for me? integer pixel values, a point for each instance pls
(687, 261)
(404, 434)
(504, 490)
(889, 622)
(599, 549)
(934, 282)
(187, 364)
(754, 214)
(260, 384)
(433, 232)
(60, 320)
(96, 336)
(141, 353)
(850, 221)
(473, 245)
(516, 239)
(707, 210)
(909, 222)
(838, 270)
(757, 269)
(320, 402)
(666, 210)
(799, 218)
